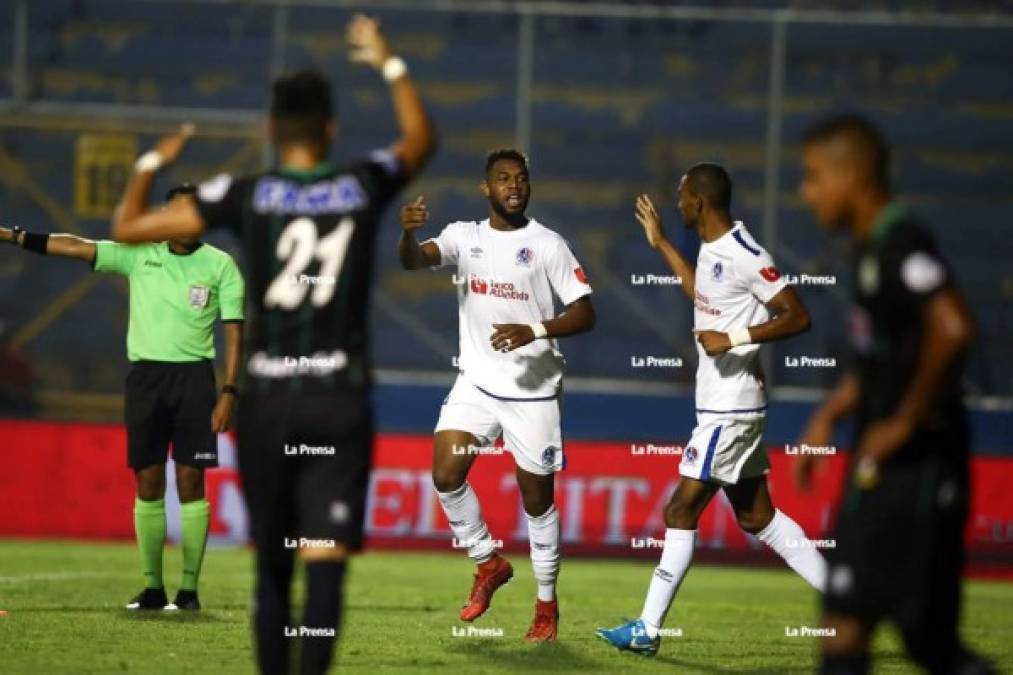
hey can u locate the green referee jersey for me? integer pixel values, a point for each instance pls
(174, 297)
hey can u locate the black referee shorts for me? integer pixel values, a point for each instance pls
(304, 461)
(171, 403)
(899, 555)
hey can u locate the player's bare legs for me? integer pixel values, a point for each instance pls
(537, 494)
(452, 459)
(756, 514)
(189, 483)
(690, 498)
(751, 500)
(195, 519)
(150, 482)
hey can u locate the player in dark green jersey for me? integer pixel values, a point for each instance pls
(308, 230)
(899, 530)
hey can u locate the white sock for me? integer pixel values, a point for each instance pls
(789, 541)
(465, 516)
(668, 576)
(543, 533)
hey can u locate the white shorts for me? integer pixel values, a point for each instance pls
(725, 449)
(530, 429)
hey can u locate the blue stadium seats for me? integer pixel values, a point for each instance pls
(619, 107)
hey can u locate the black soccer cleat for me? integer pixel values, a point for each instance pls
(149, 599)
(186, 600)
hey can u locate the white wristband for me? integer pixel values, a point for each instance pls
(740, 336)
(394, 68)
(538, 329)
(149, 161)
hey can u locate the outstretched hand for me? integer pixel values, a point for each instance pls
(649, 219)
(367, 42)
(170, 146)
(414, 215)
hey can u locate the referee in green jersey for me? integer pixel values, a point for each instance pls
(177, 289)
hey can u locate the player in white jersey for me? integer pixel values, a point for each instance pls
(509, 267)
(740, 301)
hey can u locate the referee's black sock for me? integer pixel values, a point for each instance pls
(324, 586)
(270, 616)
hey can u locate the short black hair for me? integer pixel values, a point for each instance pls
(181, 189)
(301, 106)
(868, 140)
(712, 182)
(505, 153)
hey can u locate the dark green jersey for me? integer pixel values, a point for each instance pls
(308, 241)
(896, 273)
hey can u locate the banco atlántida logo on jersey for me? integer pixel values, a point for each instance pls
(497, 289)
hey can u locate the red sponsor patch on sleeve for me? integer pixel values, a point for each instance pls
(770, 273)
(579, 273)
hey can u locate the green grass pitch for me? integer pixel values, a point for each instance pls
(64, 604)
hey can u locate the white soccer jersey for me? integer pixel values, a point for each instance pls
(510, 277)
(735, 276)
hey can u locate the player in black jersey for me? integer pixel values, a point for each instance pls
(304, 422)
(898, 553)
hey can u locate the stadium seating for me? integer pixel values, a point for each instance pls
(608, 121)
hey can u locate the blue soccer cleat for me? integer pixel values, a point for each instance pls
(630, 637)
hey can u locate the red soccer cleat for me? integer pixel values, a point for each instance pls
(491, 575)
(546, 622)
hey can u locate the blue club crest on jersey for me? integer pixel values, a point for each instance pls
(549, 456)
(717, 271)
(690, 453)
(525, 256)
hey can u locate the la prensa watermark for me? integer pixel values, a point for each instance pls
(646, 542)
(809, 631)
(805, 542)
(810, 362)
(662, 632)
(474, 450)
(319, 364)
(311, 280)
(655, 280)
(649, 449)
(309, 631)
(475, 541)
(810, 279)
(655, 362)
(302, 450)
(804, 449)
(476, 632)
(306, 542)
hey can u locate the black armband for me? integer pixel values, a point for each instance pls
(35, 242)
